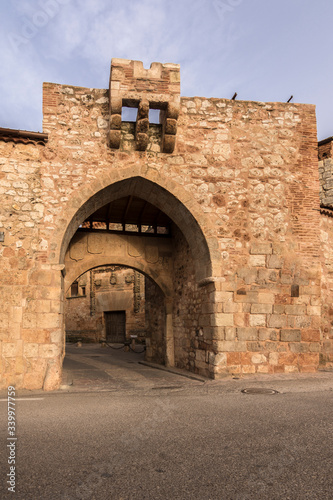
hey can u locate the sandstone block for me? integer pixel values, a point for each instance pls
(230, 333)
(30, 350)
(257, 319)
(50, 320)
(116, 104)
(295, 309)
(314, 310)
(273, 358)
(274, 262)
(141, 141)
(173, 110)
(241, 319)
(142, 126)
(115, 137)
(276, 321)
(299, 347)
(249, 297)
(35, 335)
(143, 109)
(257, 260)
(115, 122)
(4, 320)
(266, 298)
(230, 346)
(200, 356)
(279, 309)
(290, 369)
(264, 368)
(49, 351)
(219, 359)
(169, 142)
(258, 359)
(29, 320)
(41, 278)
(269, 334)
(9, 349)
(310, 335)
(309, 359)
(170, 126)
(259, 248)
(221, 319)
(223, 296)
(247, 333)
(247, 274)
(261, 308)
(248, 369)
(231, 307)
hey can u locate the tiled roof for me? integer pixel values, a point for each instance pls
(22, 136)
(326, 210)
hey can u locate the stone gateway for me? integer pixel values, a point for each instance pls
(216, 202)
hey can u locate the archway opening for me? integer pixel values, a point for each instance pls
(118, 307)
(137, 224)
(137, 201)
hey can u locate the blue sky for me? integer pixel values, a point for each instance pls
(265, 50)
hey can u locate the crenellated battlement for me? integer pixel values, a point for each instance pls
(155, 88)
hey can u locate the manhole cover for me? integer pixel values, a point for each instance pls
(259, 390)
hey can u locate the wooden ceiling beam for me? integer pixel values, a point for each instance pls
(128, 206)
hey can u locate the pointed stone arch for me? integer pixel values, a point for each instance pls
(76, 270)
(169, 197)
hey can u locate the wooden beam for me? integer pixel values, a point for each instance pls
(129, 202)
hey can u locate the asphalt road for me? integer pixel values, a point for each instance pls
(169, 437)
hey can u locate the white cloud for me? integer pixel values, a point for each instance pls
(258, 48)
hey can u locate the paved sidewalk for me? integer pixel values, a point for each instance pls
(92, 368)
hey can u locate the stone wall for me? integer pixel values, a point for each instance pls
(241, 185)
(326, 201)
(326, 356)
(155, 322)
(326, 181)
(188, 311)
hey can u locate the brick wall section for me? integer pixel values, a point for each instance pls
(50, 97)
(247, 171)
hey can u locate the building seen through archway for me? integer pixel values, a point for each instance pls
(108, 305)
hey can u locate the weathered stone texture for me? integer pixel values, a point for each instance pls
(244, 269)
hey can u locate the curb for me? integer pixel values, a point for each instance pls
(175, 371)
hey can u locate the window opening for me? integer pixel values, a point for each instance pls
(129, 114)
(74, 289)
(154, 116)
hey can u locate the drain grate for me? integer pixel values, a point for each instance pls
(259, 390)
